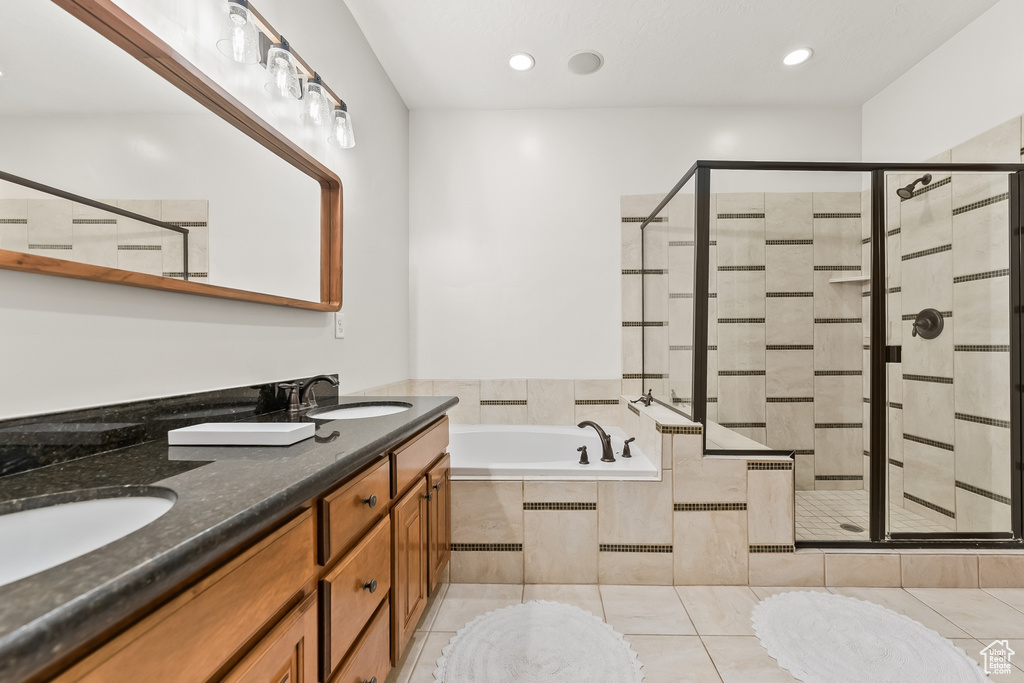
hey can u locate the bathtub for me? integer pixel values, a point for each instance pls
(542, 452)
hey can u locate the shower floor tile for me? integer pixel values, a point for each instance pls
(821, 514)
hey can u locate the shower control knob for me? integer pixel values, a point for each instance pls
(928, 324)
(371, 501)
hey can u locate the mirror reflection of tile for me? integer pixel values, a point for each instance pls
(74, 232)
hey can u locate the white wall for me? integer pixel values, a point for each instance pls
(67, 344)
(971, 83)
(514, 222)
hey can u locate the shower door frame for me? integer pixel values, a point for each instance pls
(701, 172)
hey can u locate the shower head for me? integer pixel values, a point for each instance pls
(907, 191)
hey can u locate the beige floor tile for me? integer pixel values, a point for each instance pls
(465, 601)
(433, 607)
(899, 600)
(646, 610)
(1014, 597)
(973, 649)
(975, 611)
(403, 670)
(423, 670)
(584, 596)
(674, 659)
(741, 659)
(719, 610)
(763, 592)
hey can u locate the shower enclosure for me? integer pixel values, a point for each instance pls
(864, 318)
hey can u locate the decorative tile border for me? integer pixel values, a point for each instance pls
(633, 409)
(775, 243)
(137, 247)
(560, 506)
(188, 224)
(895, 290)
(769, 466)
(865, 240)
(836, 321)
(930, 506)
(633, 548)
(590, 402)
(926, 252)
(689, 347)
(64, 247)
(982, 420)
(928, 378)
(895, 462)
(740, 373)
(191, 274)
(838, 268)
(787, 399)
(981, 276)
(789, 347)
(490, 547)
(984, 202)
(740, 215)
(646, 323)
(731, 269)
(837, 373)
(913, 316)
(928, 188)
(982, 348)
(94, 221)
(765, 548)
(982, 492)
(737, 321)
(708, 507)
(517, 402)
(641, 219)
(689, 243)
(837, 215)
(928, 442)
(645, 271)
(894, 404)
(13, 221)
(743, 425)
(807, 451)
(839, 477)
(838, 425)
(648, 375)
(680, 429)
(893, 232)
(867, 454)
(788, 295)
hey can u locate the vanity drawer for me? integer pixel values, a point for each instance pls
(412, 458)
(371, 657)
(351, 509)
(347, 598)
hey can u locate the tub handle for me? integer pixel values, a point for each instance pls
(625, 447)
(584, 460)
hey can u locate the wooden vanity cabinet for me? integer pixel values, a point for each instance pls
(287, 654)
(439, 521)
(409, 527)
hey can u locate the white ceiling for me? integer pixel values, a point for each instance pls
(444, 54)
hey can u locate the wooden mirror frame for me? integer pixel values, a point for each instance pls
(113, 23)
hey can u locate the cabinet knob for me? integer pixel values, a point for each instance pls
(371, 501)
(372, 680)
(370, 586)
(429, 496)
(437, 486)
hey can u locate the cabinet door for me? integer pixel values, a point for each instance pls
(409, 583)
(287, 654)
(439, 517)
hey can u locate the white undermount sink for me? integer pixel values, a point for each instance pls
(360, 410)
(51, 533)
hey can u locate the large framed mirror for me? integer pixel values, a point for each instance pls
(121, 162)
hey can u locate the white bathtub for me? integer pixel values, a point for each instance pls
(542, 452)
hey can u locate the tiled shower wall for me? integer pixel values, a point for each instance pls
(785, 340)
(949, 410)
(66, 230)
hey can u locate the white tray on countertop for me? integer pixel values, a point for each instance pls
(241, 434)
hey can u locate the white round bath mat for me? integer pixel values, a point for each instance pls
(537, 642)
(827, 638)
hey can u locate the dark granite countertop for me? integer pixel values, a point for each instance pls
(225, 496)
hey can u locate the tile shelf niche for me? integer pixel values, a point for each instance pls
(859, 277)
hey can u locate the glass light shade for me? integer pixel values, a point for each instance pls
(341, 130)
(239, 38)
(316, 106)
(283, 74)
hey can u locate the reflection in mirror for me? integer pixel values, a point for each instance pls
(79, 114)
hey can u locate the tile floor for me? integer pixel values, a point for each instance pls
(819, 515)
(703, 633)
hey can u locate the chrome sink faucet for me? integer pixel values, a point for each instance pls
(300, 395)
(606, 441)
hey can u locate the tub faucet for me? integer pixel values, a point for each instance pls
(606, 441)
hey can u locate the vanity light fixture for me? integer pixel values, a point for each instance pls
(521, 61)
(798, 56)
(239, 38)
(316, 106)
(341, 128)
(284, 75)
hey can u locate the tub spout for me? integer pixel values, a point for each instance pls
(606, 441)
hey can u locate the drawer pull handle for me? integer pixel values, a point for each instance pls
(371, 501)
(370, 586)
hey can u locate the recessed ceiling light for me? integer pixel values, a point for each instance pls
(521, 61)
(798, 56)
(587, 62)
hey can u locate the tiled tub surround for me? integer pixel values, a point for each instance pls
(784, 343)
(67, 230)
(949, 399)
